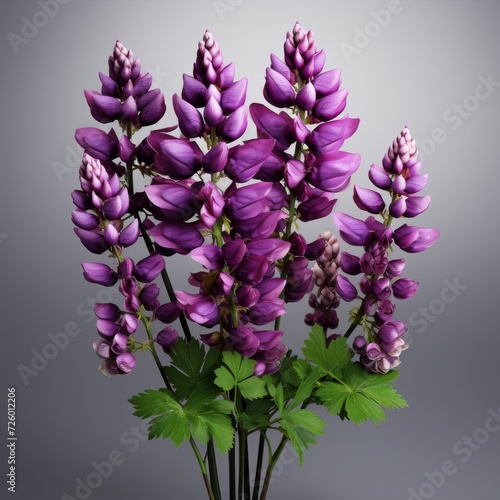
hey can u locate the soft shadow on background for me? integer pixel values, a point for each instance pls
(431, 65)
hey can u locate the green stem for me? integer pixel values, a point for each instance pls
(258, 469)
(203, 468)
(232, 474)
(212, 468)
(357, 319)
(242, 442)
(270, 467)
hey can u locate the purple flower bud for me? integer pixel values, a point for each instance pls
(91, 240)
(129, 111)
(213, 113)
(415, 205)
(359, 344)
(332, 171)
(107, 311)
(111, 235)
(397, 208)
(125, 268)
(148, 296)
(295, 171)
(395, 268)
(266, 311)
(382, 288)
(129, 323)
(125, 362)
(316, 207)
(81, 200)
(190, 119)
(96, 272)
(148, 269)
(119, 343)
(272, 249)
(353, 231)
(345, 288)
(234, 96)
(167, 313)
(404, 288)
(102, 348)
(416, 184)
(109, 367)
(268, 339)
(177, 236)
(350, 264)
(193, 91)
(234, 126)
(152, 107)
(84, 220)
(213, 204)
(328, 82)
(379, 177)
(126, 148)
(373, 351)
(243, 340)
(216, 159)
(298, 245)
(300, 130)
(369, 200)
(414, 239)
(233, 252)
(247, 296)
(107, 329)
(331, 135)
(328, 107)
(109, 86)
(209, 256)
(130, 234)
(117, 206)
(398, 184)
(270, 124)
(175, 199)
(278, 91)
(103, 108)
(306, 97)
(199, 308)
(246, 159)
(385, 311)
(167, 338)
(142, 84)
(252, 269)
(97, 143)
(177, 158)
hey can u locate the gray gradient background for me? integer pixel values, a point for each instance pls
(427, 58)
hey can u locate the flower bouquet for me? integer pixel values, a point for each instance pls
(233, 208)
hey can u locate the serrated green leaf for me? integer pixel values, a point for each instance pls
(222, 430)
(302, 368)
(172, 425)
(237, 371)
(152, 402)
(305, 389)
(331, 359)
(361, 395)
(302, 427)
(190, 366)
(256, 414)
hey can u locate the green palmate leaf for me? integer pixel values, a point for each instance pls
(330, 359)
(361, 395)
(302, 427)
(202, 416)
(305, 389)
(190, 366)
(257, 414)
(237, 371)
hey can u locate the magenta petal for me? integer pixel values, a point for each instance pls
(147, 269)
(330, 106)
(416, 184)
(349, 263)
(96, 272)
(233, 252)
(278, 91)
(331, 135)
(316, 208)
(414, 239)
(306, 97)
(213, 113)
(295, 171)
(415, 205)
(278, 65)
(345, 288)
(379, 177)
(404, 288)
(92, 240)
(190, 119)
(234, 96)
(270, 124)
(352, 231)
(331, 172)
(125, 362)
(369, 200)
(177, 236)
(193, 91)
(130, 234)
(272, 248)
(216, 159)
(246, 159)
(178, 158)
(84, 220)
(154, 110)
(328, 82)
(234, 126)
(175, 199)
(209, 256)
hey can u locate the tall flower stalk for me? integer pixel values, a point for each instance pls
(234, 207)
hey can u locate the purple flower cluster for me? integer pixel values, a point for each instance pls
(381, 279)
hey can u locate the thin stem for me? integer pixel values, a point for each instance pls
(232, 474)
(203, 468)
(258, 468)
(212, 468)
(242, 454)
(357, 319)
(270, 467)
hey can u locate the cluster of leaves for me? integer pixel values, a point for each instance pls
(216, 392)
